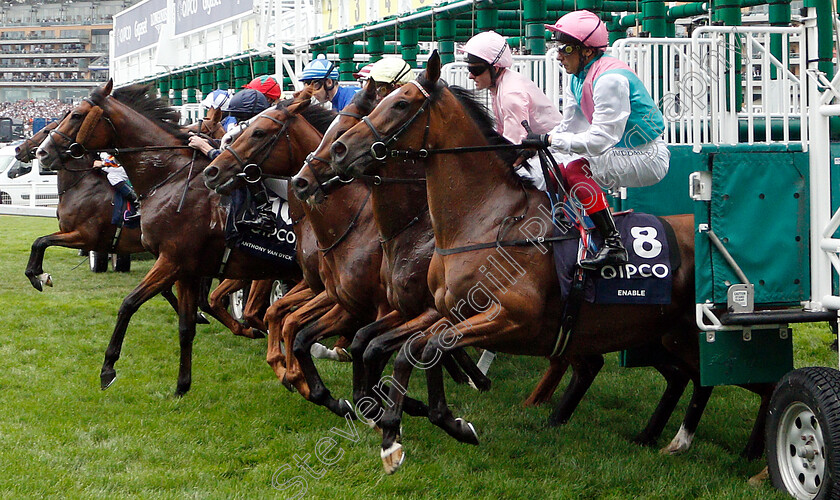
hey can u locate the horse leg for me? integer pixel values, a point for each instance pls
(216, 302)
(548, 384)
(755, 446)
(360, 342)
(439, 412)
(34, 270)
(159, 277)
(585, 369)
(203, 304)
(391, 453)
(315, 308)
(256, 304)
(173, 301)
(188, 293)
(328, 325)
(676, 381)
(696, 407)
(479, 380)
(274, 356)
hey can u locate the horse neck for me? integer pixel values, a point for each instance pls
(146, 169)
(302, 139)
(468, 194)
(396, 205)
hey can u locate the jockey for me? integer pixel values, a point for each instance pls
(322, 76)
(119, 179)
(611, 128)
(267, 86)
(515, 97)
(363, 74)
(244, 105)
(390, 73)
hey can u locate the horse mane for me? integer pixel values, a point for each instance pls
(479, 114)
(141, 99)
(317, 116)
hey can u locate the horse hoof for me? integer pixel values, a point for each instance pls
(181, 391)
(46, 279)
(106, 379)
(481, 387)
(469, 435)
(201, 319)
(288, 385)
(346, 409)
(680, 444)
(343, 355)
(392, 458)
(257, 333)
(757, 480)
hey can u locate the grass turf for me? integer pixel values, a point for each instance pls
(238, 429)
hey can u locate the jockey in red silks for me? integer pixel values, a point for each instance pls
(515, 97)
(611, 130)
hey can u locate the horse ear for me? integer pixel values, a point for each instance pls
(432, 73)
(301, 102)
(103, 91)
(370, 89)
(214, 115)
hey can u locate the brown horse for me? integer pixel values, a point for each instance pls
(281, 158)
(472, 198)
(349, 248)
(183, 222)
(402, 217)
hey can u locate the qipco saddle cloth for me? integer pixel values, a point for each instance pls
(653, 257)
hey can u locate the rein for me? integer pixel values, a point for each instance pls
(353, 222)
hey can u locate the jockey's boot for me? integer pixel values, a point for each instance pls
(130, 196)
(612, 252)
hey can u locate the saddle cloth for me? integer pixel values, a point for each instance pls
(653, 256)
(278, 246)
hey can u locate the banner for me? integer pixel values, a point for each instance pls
(137, 28)
(191, 15)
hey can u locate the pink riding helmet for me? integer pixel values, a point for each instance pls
(584, 26)
(491, 47)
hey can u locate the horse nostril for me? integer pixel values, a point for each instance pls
(338, 150)
(210, 173)
(300, 183)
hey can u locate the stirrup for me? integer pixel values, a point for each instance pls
(606, 256)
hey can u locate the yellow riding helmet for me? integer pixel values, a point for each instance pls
(391, 70)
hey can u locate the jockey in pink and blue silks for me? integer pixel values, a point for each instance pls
(515, 97)
(611, 128)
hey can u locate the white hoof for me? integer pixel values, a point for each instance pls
(471, 427)
(319, 351)
(45, 279)
(392, 458)
(485, 361)
(680, 444)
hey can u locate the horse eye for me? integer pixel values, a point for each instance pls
(402, 104)
(258, 133)
(76, 116)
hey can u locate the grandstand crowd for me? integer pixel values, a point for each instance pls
(25, 110)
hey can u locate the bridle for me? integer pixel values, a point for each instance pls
(380, 150)
(77, 150)
(252, 172)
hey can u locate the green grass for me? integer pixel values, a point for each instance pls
(61, 436)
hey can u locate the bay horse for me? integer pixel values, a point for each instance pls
(401, 215)
(473, 197)
(182, 223)
(347, 244)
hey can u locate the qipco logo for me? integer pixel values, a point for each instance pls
(285, 236)
(187, 7)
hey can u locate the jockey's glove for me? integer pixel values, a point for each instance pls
(533, 140)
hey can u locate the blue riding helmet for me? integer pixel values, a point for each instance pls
(319, 69)
(246, 103)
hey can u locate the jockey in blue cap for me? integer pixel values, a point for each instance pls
(322, 76)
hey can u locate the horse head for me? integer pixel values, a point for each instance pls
(210, 125)
(85, 127)
(26, 151)
(275, 143)
(315, 181)
(389, 124)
